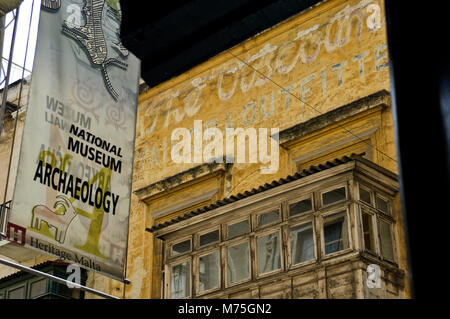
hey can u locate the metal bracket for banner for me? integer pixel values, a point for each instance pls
(57, 279)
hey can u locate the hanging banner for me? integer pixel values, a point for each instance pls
(73, 186)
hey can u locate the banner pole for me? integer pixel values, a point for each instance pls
(4, 101)
(8, 72)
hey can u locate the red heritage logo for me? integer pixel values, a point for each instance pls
(17, 235)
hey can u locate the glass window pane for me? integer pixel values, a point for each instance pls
(209, 238)
(208, 272)
(181, 248)
(302, 243)
(269, 218)
(335, 233)
(180, 286)
(238, 263)
(387, 249)
(333, 196)
(365, 196)
(300, 207)
(17, 293)
(368, 232)
(382, 205)
(38, 288)
(1, 296)
(269, 258)
(238, 229)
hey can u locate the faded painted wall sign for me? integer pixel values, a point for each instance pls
(73, 186)
(325, 59)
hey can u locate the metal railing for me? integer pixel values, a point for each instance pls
(4, 211)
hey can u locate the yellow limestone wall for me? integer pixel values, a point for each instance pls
(327, 56)
(321, 59)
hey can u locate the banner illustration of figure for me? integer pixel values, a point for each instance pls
(91, 37)
(59, 222)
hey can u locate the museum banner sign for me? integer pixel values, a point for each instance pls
(73, 187)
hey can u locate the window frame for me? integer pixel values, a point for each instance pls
(267, 232)
(370, 191)
(196, 262)
(266, 210)
(388, 203)
(32, 282)
(232, 244)
(393, 238)
(168, 274)
(331, 188)
(337, 211)
(23, 284)
(309, 219)
(374, 223)
(177, 241)
(297, 200)
(233, 222)
(197, 245)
